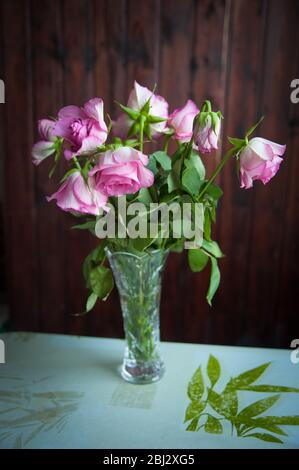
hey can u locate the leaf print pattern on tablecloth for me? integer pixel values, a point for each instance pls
(26, 413)
(209, 409)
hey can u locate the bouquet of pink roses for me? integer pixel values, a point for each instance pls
(109, 167)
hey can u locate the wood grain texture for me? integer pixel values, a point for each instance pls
(19, 173)
(242, 55)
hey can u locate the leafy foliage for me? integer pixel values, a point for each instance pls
(179, 179)
(98, 278)
(247, 422)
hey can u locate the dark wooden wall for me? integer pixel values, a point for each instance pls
(240, 54)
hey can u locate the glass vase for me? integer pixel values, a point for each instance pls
(138, 280)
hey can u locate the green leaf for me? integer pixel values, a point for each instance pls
(56, 161)
(261, 423)
(213, 370)
(134, 129)
(198, 260)
(213, 425)
(196, 386)
(101, 281)
(173, 179)
(160, 158)
(132, 113)
(214, 280)
(95, 257)
(176, 246)
(194, 162)
(155, 119)
(225, 404)
(269, 389)
(91, 301)
(193, 174)
(68, 173)
(146, 107)
(191, 181)
(252, 129)
(215, 400)
(238, 143)
(163, 159)
(194, 409)
(144, 196)
(207, 225)
(130, 143)
(213, 248)
(230, 401)
(90, 225)
(178, 154)
(140, 244)
(274, 428)
(193, 425)
(214, 192)
(265, 437)
(248, 377)
(258, 407)
(281, 420)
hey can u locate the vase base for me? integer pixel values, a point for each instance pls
(142, 374)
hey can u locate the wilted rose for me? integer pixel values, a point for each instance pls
(137, 99)
(260, 160)
(44, 147)
(83, 128)
(76, 195)
(181, 120)
(122, 171)
(207, 135)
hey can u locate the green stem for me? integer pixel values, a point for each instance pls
(208, 105)
(77, 164)
(217, 171)
(103, 261)
(186, 152)
(153, 192)
(166, 142)
(142, 120)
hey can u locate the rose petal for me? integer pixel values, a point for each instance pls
(73, 112)
(42, 150)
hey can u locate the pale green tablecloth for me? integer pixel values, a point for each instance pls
(65, 392)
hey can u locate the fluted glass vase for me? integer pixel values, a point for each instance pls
(138, 280)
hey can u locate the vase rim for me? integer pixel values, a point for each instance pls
(142, 254)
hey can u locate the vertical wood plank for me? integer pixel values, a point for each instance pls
(3, 257)
(234, 222)
(110, 84)
(269, 201)
(19, 181)
(176, 38)
(143, 43)
(285, 316)
(176, 43)
(48, 66)
(78, 79)
(209, 58)
(110, 24)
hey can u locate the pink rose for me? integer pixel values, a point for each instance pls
(45, 147)
(206, 137)
(122, 171)
(260, 160)
(83, 128)
(137, 99)
(181, 120)
(75, 195)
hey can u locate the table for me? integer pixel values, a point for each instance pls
(59, 391)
